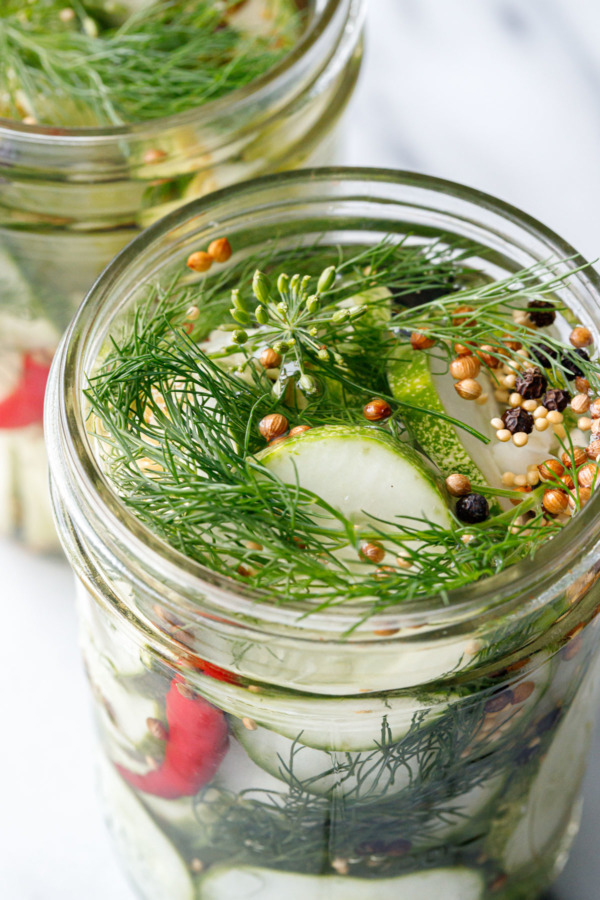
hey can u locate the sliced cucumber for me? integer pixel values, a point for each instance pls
(420, 378)
(322, 772)
(239, 771)
(363, 473)
(411, 380)
(155, 865)
(328, 723)
(458, 814)
(548, 808)
(123, 712)
(249, 883)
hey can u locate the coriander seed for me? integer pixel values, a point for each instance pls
(458, 485)
(273, 426)
(581, 337)
(377, 410)
(465, 367)
(551, 469)
(220, 250)
(555, 501)
(468, 388)
(199, 261)
(588, 475)
(372, 551)
(420, 341)
(270, 358)
(577, 458)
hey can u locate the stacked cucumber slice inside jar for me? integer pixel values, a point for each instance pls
(346, 431)
(112, 114)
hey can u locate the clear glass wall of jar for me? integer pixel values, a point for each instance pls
(70, 200)
(439, 748)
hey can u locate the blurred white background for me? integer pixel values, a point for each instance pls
(501, 95)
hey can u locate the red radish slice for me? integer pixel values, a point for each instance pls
(25, 405)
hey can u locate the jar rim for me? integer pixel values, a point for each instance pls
(259, 90)
(65, 426)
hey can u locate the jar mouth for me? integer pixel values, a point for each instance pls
(527, 582)
(259, 91)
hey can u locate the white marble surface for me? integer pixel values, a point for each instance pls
(502, 95)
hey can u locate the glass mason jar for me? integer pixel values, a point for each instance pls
(71, 199)
(436, 748)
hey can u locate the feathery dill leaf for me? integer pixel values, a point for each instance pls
(101, 68)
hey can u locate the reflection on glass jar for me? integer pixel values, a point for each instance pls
(71, 198)
(250, 749)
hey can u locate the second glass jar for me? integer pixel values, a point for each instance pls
(71, 199)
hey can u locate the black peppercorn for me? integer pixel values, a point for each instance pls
(472, 509)
(556, 400)
(543, 354)
(572, 370)
(518, 419)
(531, 384)
(541, 312)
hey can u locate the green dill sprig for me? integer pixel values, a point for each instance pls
(179, 429)
(383, 805)
(295, 322)
(88, 66)
(491, 323)
(179, 437)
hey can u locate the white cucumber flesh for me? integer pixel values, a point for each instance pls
(420, 378)
(410, 379)
(322, 772)
(361, 471)
(329, 723)
(155, 865)
(240, 771)
(248, 883)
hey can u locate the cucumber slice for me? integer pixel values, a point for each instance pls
(321, 772)
(327, 723)
(239, 771)
(547, 810)
(155, 865)
(411, 380)
(360, 471)
(249, 883)
(420, 378)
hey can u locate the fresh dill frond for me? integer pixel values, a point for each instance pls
(178, 427)
(94, 67)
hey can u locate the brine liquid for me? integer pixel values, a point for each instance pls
(480, 778)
